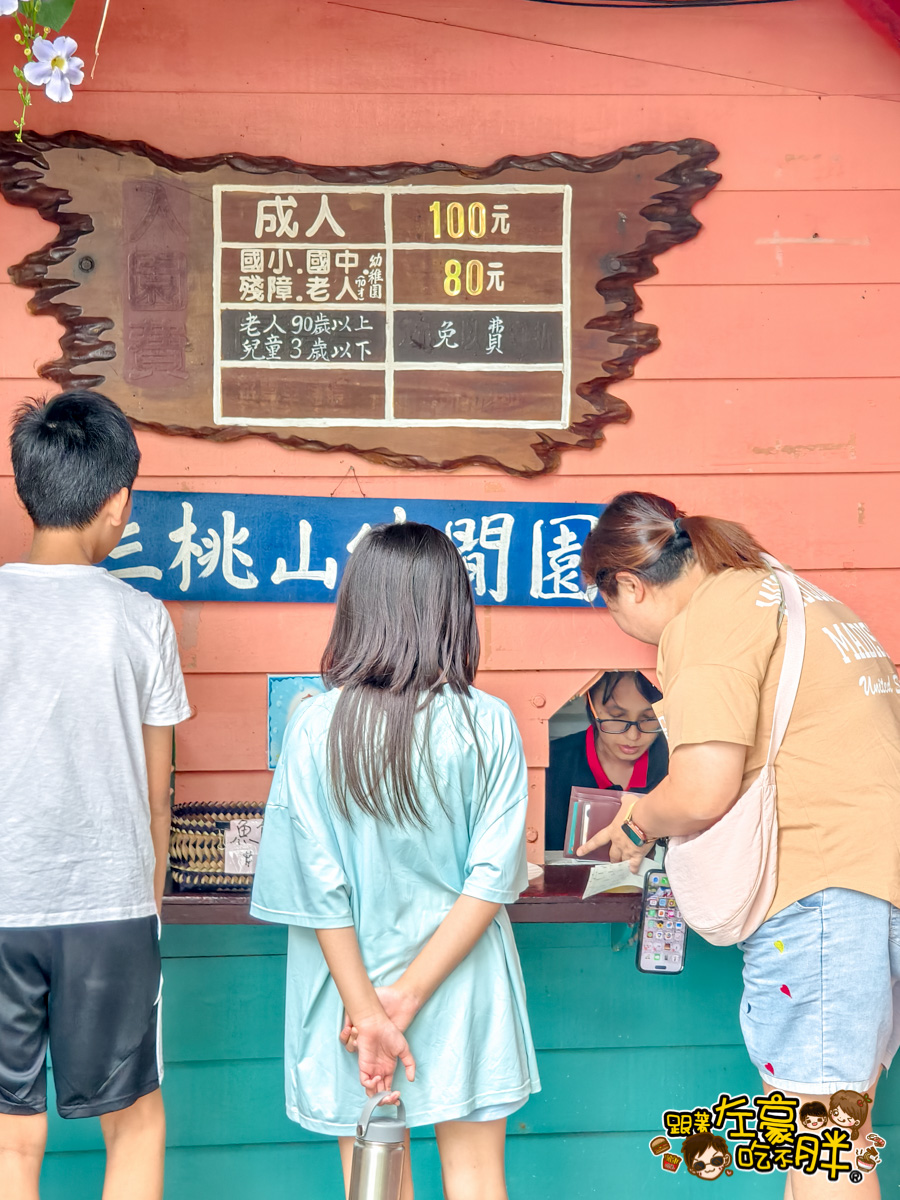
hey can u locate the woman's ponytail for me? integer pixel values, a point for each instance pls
(648, 536)
(718, 545)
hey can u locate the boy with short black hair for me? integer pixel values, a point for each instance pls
(90, 688)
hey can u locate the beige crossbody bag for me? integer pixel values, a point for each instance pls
(724, 878)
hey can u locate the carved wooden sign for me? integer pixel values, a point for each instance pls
(420, 315)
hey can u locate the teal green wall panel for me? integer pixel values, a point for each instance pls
(594, 997)
(584, 1091)
(223, 1008)
(615, 1049)
(214, 941)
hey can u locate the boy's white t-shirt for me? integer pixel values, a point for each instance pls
(85, 661)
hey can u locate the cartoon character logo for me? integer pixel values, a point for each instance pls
(814, 1115)
(706, 1155)
(849, 1110)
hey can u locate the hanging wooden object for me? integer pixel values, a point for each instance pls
(421, 315)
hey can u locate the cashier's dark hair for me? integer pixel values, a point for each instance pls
(70, 454)
(604, 689)
(404, 628)
(648, 536)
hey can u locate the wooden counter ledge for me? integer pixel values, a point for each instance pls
(555, 896)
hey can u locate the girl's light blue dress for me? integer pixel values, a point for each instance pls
(471, 1040)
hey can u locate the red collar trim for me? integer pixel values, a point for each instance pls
(638, 772)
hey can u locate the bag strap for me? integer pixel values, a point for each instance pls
(795, 647)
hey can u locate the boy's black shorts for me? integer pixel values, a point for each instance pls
(92, 992)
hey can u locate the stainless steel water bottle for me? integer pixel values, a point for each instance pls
(376, 1172)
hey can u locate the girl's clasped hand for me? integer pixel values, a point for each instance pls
(379, 1041)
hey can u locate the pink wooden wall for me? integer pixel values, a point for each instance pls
(774, 396)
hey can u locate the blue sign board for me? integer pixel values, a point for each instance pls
(222, 546)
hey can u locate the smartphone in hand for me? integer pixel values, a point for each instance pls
(663, 933)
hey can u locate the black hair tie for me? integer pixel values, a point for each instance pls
(678, 528)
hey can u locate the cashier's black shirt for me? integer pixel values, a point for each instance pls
(569, 768)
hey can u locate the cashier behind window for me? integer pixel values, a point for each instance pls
(623, 747)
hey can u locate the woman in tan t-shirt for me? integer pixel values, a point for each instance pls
(698, 588)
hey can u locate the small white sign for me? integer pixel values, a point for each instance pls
(242, 846)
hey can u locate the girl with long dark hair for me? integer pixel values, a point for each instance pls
(393, 837)
(822, 968)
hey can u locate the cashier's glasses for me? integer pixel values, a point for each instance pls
(612, 725)
(608, 725)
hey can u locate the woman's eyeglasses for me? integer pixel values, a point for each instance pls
(609, 725)
(651, 725)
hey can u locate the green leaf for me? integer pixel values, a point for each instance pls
(55, 13)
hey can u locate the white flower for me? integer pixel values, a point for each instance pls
(54, 67)
(8, 7)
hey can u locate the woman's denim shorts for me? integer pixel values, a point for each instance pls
(821, 1006)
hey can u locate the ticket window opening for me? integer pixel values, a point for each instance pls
(616, 754)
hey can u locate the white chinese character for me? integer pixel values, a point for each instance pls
(347, 290)
(345, 259)
(187, 547)
(274, 216)
(362, 323)
(230, 552)
(341, 350)
(273, 345)
(124, 549)
(249, 326)
(495, 277)
(251, 260)
(495, 535)
(445, 333)
(319, 351)
(328, 575)
(317, 288)
(252, 289)
(280, 260)
(324, 215)
(376, 279)
(210, 550)
(495, 335)
(281, 287)
(364, 351)
(321, 323)
(563, 560)
(500, 218)
(273, 325)
(341, 324)
(318, 262)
